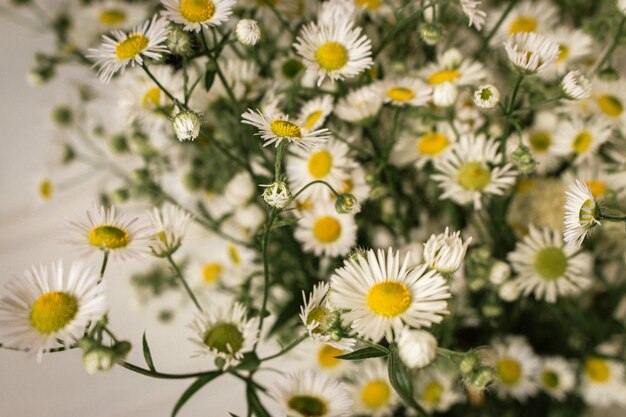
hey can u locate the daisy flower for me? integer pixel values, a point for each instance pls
(436, 390)
(356, 183)
(49, 308)
(609, 99)
(526, 16)
(406, 91)
(574, 45)
(548, 268)
(334, 49)
(451, 67)
(322, 357)
(225, 333)
(382, 295)
(276, 128)
(242, 76)
(371, 390)
(580, 208)
(197, 14)
(476, 16)
(575, 86)
(429, 144)
(417, 348)
(123, 49)
(530, 52)
(170, 224)
(603, 383)
(445, 252)
(325, 232)
(602, 178)
(540, 139)
(314, 112)
(556, 377)
(516, 366)
(581, 137)
(103, 229)
(360, 105)
(309, 393)
(467, 173)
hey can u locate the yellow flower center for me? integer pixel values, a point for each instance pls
(317, 314)
(400, 94)
(197, 11)
(550, 379)
(211, 272)
(375, 394)
(443, 76)
(320, 164)
(112, 17)
(509, 371)
(307, 405)
(474, 176)
(53, 311)
(152, 98)
(285, 129)
(234, 254)
(432, 393)
(224, 337)
(581, 142)
(597, 187)
(597, 370)
(332, 56)
(312, 118)
(368, 4)
(550, 263)
(108, 237)
(132, 46)
(432, 143)
(326, 356)
(523, 24)
(327, 229)
(610, 105)
(540, 140)
(563, 53)
(46, 189)
(389, 298)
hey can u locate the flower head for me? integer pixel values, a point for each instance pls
(575, 86)
(531, 52)
(169, 223)
(445, 252)
(248, 32)
(186, 125)
(580, 213)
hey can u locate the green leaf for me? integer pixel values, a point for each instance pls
(193, 388)
(401, 381)
(368, 352)
(285, 222)
(209, 75)
(232, 415)
(255, 403)
(250, 362)
(146, 353)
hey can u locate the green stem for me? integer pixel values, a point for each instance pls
(280, 18)
(518, 83)
(182, 280)
(609, 53)
(609, 218)
(105, 260)
(266, 268)
(330, 187)
(159, 375)
(287, 348)
(161, 87)
(483, 47)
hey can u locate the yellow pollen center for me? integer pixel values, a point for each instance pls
(46, 189)
(332, 56)
(375, 394)
(400, 94)
(197, 11)
(432, 393)
(432, 143)
(509, 371)
(597, 187)
(312, 118)
(581, 142)
(112, 17)
(610, 105)
(53, 311)
(540, 140)
(474, 176)
(389, 298)
(108, 237)
(443, 76)
(597, 370)
(152, 98)
(327, 229)
(132, 46)
(563, 53)
(320, 164)
(368, 4)
(326, 356)
(285, 129)
(523, 24)
(211, 272)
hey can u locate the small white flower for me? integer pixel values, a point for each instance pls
(531, 52)
(476, 16)
(360, 105)
(186, 125)
(602, 382)
(579, 213)
(248, 32)
(371, 390)
(509, 291)
(325, 232)
(445, 252)
(170, 224)
(406, 91)
(576, 86)
(557, 377)
(197, 14)
(486, 96)
(276, 194)
(417, 348)
(516, 366)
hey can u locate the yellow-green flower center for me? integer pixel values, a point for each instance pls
(132, 46)
(112, 17)
(308, 406)
(389, 298)
(432, 393)
(224, 337)
(197, 11)
(312, 118)
(332, 56)
(320, 164)
(432, 143)
(443, 76)
(523, 24)
(597, 370)
(53, 311)
(509, 371)
(610, 105)
(540, 140)
(211, 272)
(317, 314)
(581, 142)
(550, 379)
(46, 189)
(375, 394)
(326, 356)
(108, 237)
(563, 53)
(550, 263)
(327, 229)
(368, 4)
(152, 98)
(400, 94)
(285, 129)
(234, 255)
(474, 176)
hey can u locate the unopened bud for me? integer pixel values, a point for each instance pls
(523, 160)
(430, 33)
(186, 125)
(347, 203)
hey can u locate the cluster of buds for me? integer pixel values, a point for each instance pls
(100, 358)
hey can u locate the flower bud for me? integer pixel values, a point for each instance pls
(523, 160)
(347, 203)
(277, 194)
(575, 86)
(486, 96)
(62, 116)
(499, 273)
(186, 125)
(430, 33)
(445, 252)
(178, 41)
(481, 378)
(248, 32)
(509, 291)
(417, 348)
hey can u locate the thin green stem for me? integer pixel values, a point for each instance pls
(609, 218)
(266, 268)
(483, 47)
(161, 87)
(182, 280)
(287, 348)
(518, 83)
(159, 375)
(609, 53)
(279, 16)
(330, 187)
(105, 260)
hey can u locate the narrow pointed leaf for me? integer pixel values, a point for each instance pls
(193, 388)
(255, 403)
(365, 353)
(146, 353)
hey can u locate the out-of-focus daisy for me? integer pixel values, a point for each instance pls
(417, 348)
(356, 184)
(334, 49)
(476, 16)
(276, 128)
(382, 294)
(556, 377)
(530, 52)
(360, 105)
(610, 101)
(445, 252)
(371, 390)
(123, 49)
(548, 268)
(537, 201)
(526, 16)
(406, 91)
(309, 393)
(225, 333)
(580, 209)
(573, 46)
(583, 138)
(197, 14)
(322, 357)
(452, 67)
(467, 171)
(602, 178)
(325, 232)
(516, 366)
(242, 76)
(169, 224)
(49, 308)
(427, 145)
(575, 86)
(436, 390)
(603, 382)
(540, 138)
(314, 112)
(103, 229)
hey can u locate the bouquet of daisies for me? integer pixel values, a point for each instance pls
(419, 201)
